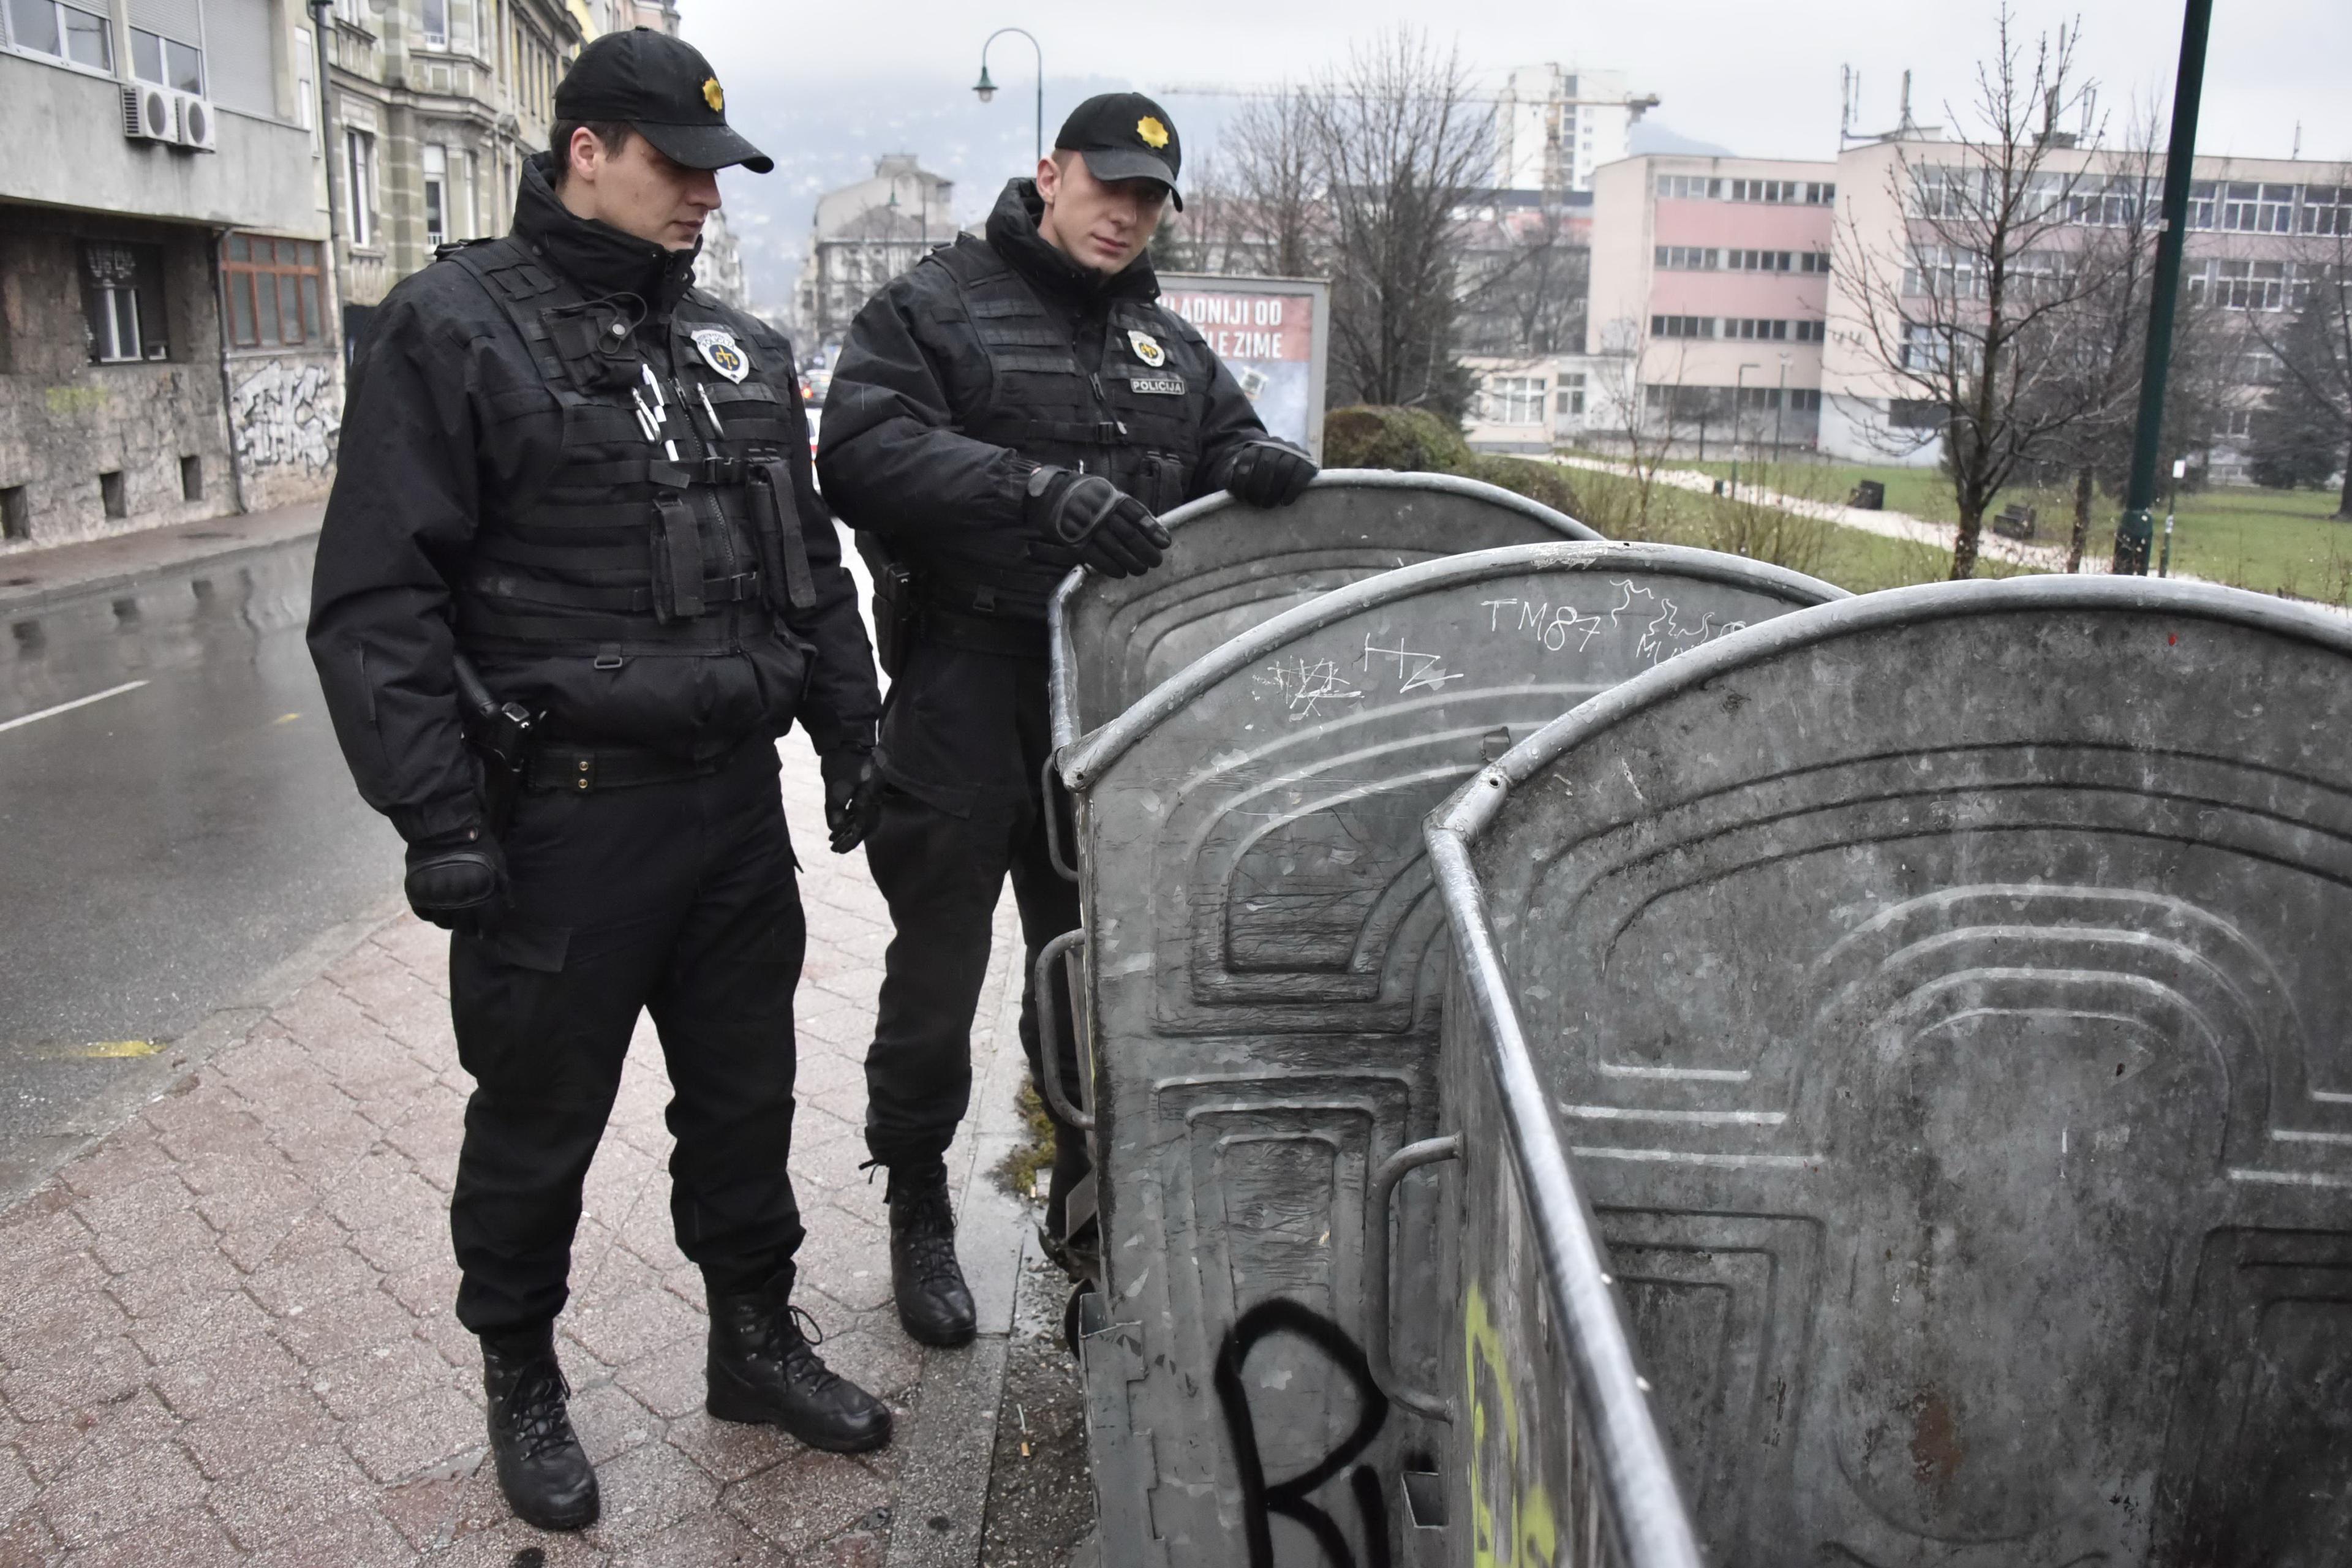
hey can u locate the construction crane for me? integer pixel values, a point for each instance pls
(1636, 107)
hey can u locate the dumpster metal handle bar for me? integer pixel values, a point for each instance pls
(1047, 803)
(1049, 1030)
(1411, 1157)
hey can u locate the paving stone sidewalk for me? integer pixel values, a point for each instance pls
(228, 1335)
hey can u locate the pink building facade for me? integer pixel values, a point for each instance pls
(1710, 295)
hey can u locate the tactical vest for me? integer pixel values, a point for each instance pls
(1101, 407)
(669, 522)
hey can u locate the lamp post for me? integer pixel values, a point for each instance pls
(1739, 390)
(985, 90)
(1779, 405)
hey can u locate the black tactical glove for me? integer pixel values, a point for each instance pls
(1267, 473)
(457, 880)
(852, 798)
(1085, 518)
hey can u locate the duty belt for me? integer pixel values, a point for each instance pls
(579, 770)
(1014, 638)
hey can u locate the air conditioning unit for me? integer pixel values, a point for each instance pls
(194, 121)
(148, 114)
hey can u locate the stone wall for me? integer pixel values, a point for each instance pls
(65, 422)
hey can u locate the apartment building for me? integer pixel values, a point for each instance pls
(862, 236)
(1554, 125)
(165, 309)
(1710, 296)
(2261, 233)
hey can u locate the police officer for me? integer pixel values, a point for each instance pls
(1017, 403)
(574, 524)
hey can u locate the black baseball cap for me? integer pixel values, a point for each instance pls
(1125, 136)
(665, 88)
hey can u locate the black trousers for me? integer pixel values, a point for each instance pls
(941, 870)
(679, 897)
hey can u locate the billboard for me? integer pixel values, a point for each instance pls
(1273, 334)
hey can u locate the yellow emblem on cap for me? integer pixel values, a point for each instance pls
(713, 96)
(1153, 134)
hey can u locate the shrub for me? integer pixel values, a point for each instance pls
(1407, 440)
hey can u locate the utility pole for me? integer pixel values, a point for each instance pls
(2137, 530)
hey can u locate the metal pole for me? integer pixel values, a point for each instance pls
(2135, 533)
(1779, 407)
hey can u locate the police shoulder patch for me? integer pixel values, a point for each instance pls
(1147, 347)
(721, 352)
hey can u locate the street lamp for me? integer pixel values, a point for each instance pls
(1779, 406)
(1739, 390)
(985, 90)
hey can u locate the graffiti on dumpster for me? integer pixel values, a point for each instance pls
(1260, 1498)
(1307, 687)
(1414, 671)
(1511, 1521)
(1653, 620)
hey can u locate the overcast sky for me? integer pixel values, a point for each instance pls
(1758, 76)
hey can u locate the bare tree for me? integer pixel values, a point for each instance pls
(1402, 147)
(1976, 319)
(1524, 284)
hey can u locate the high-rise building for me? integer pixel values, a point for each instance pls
(1554, 125)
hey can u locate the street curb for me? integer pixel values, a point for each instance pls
(143, 1083)
(940, 1503)
(191, 554)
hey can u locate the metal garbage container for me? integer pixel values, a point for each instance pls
(1951, 1052)
(1263, 965)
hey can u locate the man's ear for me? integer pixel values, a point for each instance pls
(586, 162)
(1049, 180)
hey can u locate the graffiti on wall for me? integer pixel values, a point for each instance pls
(284, 416)
(1512, 1524)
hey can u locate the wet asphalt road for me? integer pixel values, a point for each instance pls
(164, 847)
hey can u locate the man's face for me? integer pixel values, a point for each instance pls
(639, 191)
(1099, 225)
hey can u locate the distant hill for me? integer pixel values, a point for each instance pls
(1649, 136)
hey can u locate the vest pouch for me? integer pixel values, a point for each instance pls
(776, 528)
(676, 562)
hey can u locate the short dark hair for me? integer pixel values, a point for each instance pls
(613, 134)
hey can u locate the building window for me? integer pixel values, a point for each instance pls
(359, 172)
(122, 300)
(1515, 399)
(1682, 326)
(437, 23)
(435, 159)
(1926, 346)
(2327, 209)
(1689, 188)
(1942, 272)
(306, 84)
(1805, 399)
(2241, 285)
(1812, 331)
(80, 32)
(1750, 329)
(1688, 258)
(275, 290)
(1782, 192)
(1570, 395)
(1814, 261)
(167, 62)
(2237, 425)
(1758, 261)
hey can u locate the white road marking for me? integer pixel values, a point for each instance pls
(70, 707)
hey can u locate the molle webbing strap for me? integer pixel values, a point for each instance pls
(677, 560)
(778, 529)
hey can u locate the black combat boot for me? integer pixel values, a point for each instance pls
(543, 1470)
(934, 1303)
(763, 1370)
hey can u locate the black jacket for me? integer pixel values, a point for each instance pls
(449, 421)
(922, 439)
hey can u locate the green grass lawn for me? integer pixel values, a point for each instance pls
(2273, 542)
